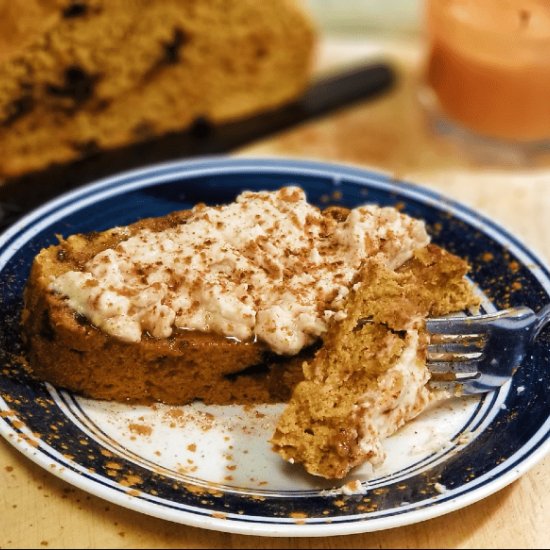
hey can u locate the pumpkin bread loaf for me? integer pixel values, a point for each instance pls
(82, 76)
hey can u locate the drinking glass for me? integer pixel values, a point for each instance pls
(488, 67)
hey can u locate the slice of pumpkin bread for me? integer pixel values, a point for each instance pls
(370, 376)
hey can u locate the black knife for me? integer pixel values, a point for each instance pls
(20, 195)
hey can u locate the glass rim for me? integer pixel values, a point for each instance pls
(435, 13)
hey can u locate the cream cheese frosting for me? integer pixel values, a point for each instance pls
(399, 395)
(269, 266)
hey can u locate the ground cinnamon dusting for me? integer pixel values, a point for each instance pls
(130, 480)
(140, 429)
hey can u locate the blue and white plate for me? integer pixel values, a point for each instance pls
(211, 466)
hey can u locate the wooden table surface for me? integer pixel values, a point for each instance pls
(390, 134)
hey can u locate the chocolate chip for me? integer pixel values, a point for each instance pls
(61, 255)
(18, 108)
(81, 320)
(46, 329)
(171, 53)
(78, 85)
(201, 127)
(75, 9)
(172, 49)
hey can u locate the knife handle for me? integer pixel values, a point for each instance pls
(20, 195)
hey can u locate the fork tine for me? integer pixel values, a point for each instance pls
(457, 356)
(480, 353)
(459, 326)
(458, 377)
(507, 318)
(464, 339)
(470, 366)
(456, 343)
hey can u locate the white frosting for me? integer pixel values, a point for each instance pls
(268, 266)
(400, 395)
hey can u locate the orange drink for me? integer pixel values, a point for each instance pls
(489, 65)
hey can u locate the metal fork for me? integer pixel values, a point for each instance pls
(482, 352)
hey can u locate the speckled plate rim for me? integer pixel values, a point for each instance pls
(497, 478)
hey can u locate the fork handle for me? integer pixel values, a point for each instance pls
(543, 317)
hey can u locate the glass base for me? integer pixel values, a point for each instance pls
(481, 149)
